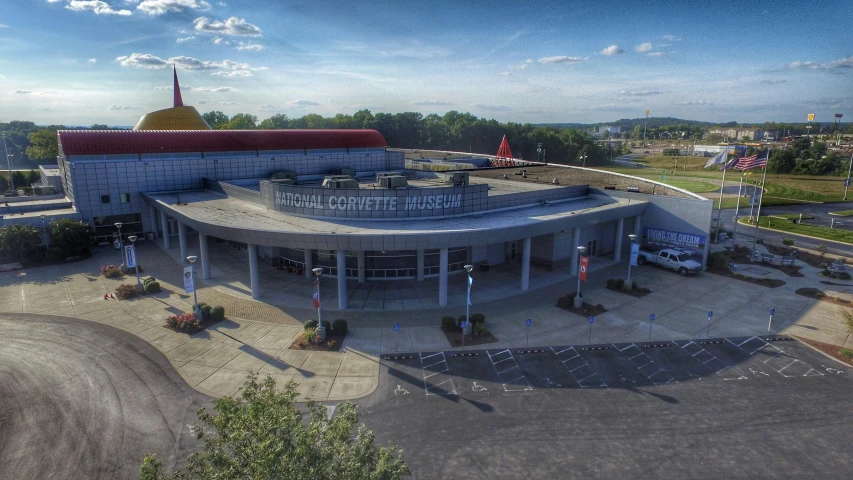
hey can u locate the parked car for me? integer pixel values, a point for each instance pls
(671, 259)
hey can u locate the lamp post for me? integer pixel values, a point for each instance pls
(321, 330)
(632, 237)
(192, 259)
(578, 301)
(847, 180)
(583, 159)
(468, 326)
(120, 243)
(8, 164)
(139, 288)
(46, 237)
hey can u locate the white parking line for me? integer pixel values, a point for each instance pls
(578, 367)
(513, 384)
(437, 388)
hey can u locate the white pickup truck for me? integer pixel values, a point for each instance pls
(671, 259)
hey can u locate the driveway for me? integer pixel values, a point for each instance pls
(85, 400)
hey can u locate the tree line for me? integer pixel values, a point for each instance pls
(804, 157)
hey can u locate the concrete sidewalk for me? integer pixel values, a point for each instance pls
(257, 335)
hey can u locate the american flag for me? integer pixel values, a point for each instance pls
(758, 160)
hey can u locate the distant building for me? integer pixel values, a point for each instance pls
(738, 133)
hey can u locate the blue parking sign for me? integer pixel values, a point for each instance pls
(464, 324)
(396, 327)
(710, 314)
(652, 317)
(847, 183)
(591, 319)
(772, 311)
(528, 322)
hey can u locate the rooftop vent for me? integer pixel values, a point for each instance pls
(283, 181)
(339, 181)
(386, 174)
(393, 181)
(456, 178)
(281, 174)
(349, 172)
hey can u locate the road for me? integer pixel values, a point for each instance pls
(732, 408)
(819, 211)
(85, 400)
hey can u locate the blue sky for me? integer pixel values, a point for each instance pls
(79, 62)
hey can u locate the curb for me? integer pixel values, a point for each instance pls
(795, 234)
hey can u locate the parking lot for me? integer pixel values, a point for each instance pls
(626, 365)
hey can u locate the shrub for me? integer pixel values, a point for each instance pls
(843, 276)
(600, 307)
(564, 302)
(328, 326)
(339, 327)
(217, 313)
(480, 330)
(151, 287)
(462, 318)
(185, 322)
(718, 260)
(311, 324)
(448, 323)
(625, 288)
(620, 284)
(634, 285)
(611, 283)
(310, 336)
(111, 271)
(125, 291)
(825, 272)
(148, 280)
(846, 352)
(205, 312)
(478, 319)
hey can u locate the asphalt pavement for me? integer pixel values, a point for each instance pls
(748, 407)
(82, 400)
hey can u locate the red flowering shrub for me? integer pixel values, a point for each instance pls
(111, 271)
(125, 291)
(185, 322)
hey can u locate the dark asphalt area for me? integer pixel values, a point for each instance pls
(81, 400)
(719, 408)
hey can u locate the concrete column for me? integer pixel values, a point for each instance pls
(205, 258)
(617, 250)
(254, 275)
(182, 238)
(638, 227)
(342, 279)
(164, 219)
(420, 264)
(576, 241)
(362, 267)
(154, 227)
(309, 263)
(525, 264)
(442, 278)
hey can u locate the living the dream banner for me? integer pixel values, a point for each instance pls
(658, 235)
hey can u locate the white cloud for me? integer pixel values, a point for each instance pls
(436, 103)
(53, 1)
(221, 41)
(773, 81)
(202, 102)
(146, 60)
(222, 4)
(671, 38)
(160, 7)
(493, 108)
(842, 63)
(169, 87)
(561, 59)
(93, 60)
(96, 6)
(695, 102)
(210, 89)
(612, 50)
(3, 25)
(229, 103)
(232, 26)
(644, 93)
(300, 103)
(185, 39)
(23, 92)
(527, 63)
(254, 47)
(268, 107)
(123, 107)
(644, 47)
(233, 73)
(657, 54)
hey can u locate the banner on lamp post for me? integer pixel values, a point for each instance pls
(189, 285)
(584, 266)
(130, 255)
(635, 252)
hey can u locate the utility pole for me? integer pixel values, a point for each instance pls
(9, 164)
(644, 128)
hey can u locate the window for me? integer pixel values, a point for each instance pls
(105, 199)
(125, 197)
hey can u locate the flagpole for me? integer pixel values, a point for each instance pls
(760, 198)
(737, 208)
(722, 187)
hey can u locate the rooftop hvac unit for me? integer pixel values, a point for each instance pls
(456, 178)
(339, 181)
(282, 174)
(349, 172)
(386, 174)
(283, 181)
(393, 181)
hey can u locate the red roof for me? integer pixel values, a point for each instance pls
(107, 142)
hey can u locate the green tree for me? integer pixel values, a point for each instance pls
(278, 121)
(42, 147)
(99, 126)
(788, 242)
(847, 319)
(261, 435)
(19, 241)
(69, 238)
(781, 161)
(216, 119)
(242, 121)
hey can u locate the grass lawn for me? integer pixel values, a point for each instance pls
(834, 234)
(843, 213)
(791, 216)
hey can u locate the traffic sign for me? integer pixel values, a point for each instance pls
(710, 314)
(464, 325)
(772, 311)
(652, 317)
(847, 182)
(396, 327)
(591, 319)
(811, 117)
(528, 322)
